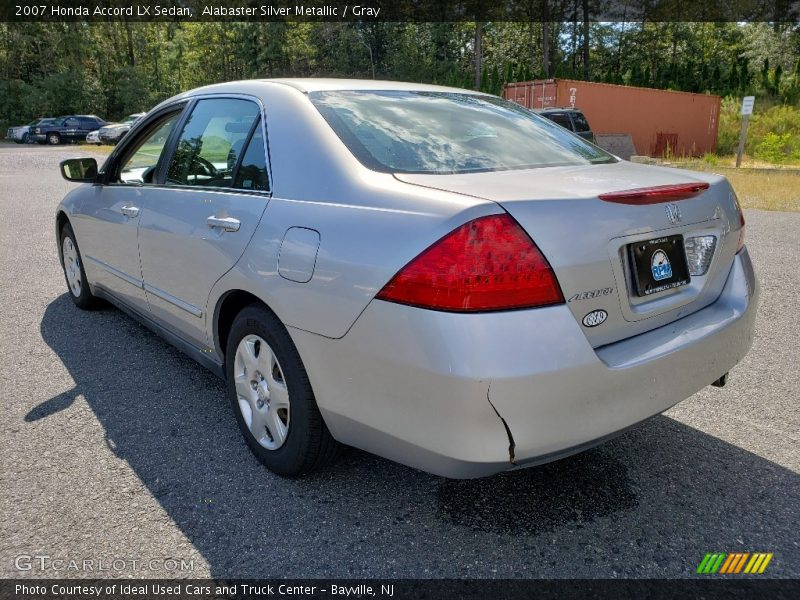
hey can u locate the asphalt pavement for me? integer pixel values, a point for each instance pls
(116, 447)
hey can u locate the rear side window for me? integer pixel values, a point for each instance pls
(211, 142)
(581, 124)
(252, 172)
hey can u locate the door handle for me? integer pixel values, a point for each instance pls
(130, 211)
(224, 223)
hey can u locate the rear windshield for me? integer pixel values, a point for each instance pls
(442, 132)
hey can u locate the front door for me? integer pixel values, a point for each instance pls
(110, 217)
(197, 223)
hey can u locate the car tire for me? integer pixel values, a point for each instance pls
(53, 139)
(26, 138)
(282, 399)
(72, 264)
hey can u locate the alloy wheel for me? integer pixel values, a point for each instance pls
(72, 266)
(262, 392)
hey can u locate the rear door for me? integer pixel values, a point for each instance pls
(197, 222)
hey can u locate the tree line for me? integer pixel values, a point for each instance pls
(116, 68)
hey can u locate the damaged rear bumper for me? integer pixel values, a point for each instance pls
(468, 395)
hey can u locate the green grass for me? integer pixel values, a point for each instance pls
(773, 134)
(757, 187)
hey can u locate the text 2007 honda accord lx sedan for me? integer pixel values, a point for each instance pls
(434, 275)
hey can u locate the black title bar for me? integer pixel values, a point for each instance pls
(400, 10)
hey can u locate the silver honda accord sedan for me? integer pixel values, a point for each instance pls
(434, 275)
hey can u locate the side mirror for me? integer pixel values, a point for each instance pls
(79, 170)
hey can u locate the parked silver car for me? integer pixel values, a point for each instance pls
(112, 133)
(434, 275)
(93, 137)
(21, 134)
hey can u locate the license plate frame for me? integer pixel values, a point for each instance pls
(658, 265)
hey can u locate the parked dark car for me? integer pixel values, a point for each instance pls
(569, 118)
(113, 132)
(72, 128)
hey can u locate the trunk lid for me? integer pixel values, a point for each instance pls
(586, 239)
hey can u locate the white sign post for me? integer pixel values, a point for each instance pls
(747, 110)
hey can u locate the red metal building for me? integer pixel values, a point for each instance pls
(656, 120)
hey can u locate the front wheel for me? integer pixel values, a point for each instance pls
(53, 139)
(73, 271)
(271, 396)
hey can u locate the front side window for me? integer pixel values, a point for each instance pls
(560, 119)
(211, 142)
(444, 132)
(581, 124)
(139, 163)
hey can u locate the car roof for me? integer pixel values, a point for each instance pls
(309, 85)
(313, 84)
(554, 109)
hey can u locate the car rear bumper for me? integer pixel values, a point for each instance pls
(465, 395)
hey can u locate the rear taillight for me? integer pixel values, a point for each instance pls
(656, 194)
(487, 264)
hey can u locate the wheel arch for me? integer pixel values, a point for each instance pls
(62, 219)
(228, 306)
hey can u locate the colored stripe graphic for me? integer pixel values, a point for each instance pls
(701, 568)
(734, 563)
(728, 562)
(757, 558)
(711, 562)
(764, 564)
(741, 562)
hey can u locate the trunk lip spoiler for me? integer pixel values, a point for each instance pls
(656, 194)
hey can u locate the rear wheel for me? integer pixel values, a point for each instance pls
(73, 271)
(271, 396)
(53, 139)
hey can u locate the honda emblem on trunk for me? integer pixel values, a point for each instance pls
(673, 213)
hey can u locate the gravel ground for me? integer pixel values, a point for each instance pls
(114, 445)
